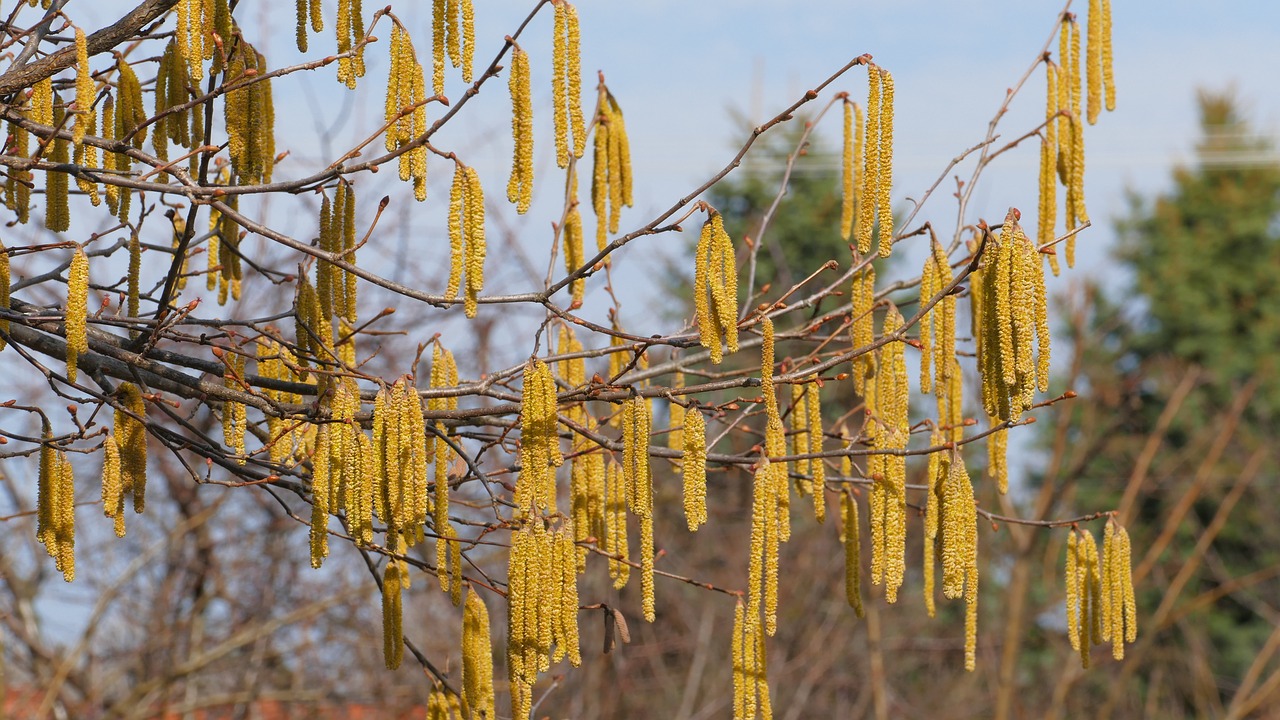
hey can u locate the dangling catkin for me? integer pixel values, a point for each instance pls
(477, 658)
(862, 328)
(846, 165)
(57, 213)
(869, 198)
(559, 81)
(716, 288)
(77, 313)
(1093, 61)
(131, 439)
(615, 539)
(392, 634)
(817, 469)
(539, 443)
(85, 90)
(112, 487)
(476, 248)
(520, 186)
(852, 552)
(457, 202)
(1108, 73)
(695, 468)
(885, 182)
(1048, 157)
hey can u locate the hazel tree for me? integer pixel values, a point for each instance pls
(424, 461)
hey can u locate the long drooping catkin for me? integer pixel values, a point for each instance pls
(1108, 72)
(615, 518)
(611, 179)
(1048, 157)
(349, 29)
(57, 213)
(112, 487)
(520, 186)
(695, 468)
(888, 430)
(559, 82)
(131, 438)
(1011, 322)
(405, 110)
(716, 288)
(539, 443)
(392, 633)
(884, 183)
(55, 514)
(852, 540)
(476, 248)
(848, 160)
(77, 310)
(1084, 593)
(862, 328)
(869, 197)
(477, 658)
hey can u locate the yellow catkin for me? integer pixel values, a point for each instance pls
(477, 658)
(55, 514)
(600, 175)
(695, 468)
(539, 443)
(457, 203)
(847, 196)
(737, 661)
(131, 439)
(574, 51)
(573, 249)
(799, 435)
(708, 330)
(817, 468)
(109, 133)
(42, 101)
(568, 637)
(885, 182)
(1124, 569)
(438, 39)
(321, 478)
(716, 288)
(392, 634)
(1013, 344)
(675, 418)
(1093, 61)
(1072, 597)
(869, 198)
(888, 499)
(18, 184)
(620, 146)
(303, 14)
(112, 487)
(468, 39)
(852, 552)
(616, 525)
(1048, 185)
(559, 81)
(1108, 72)
(636, 428)
(520, 186)
(1076, 212)
(85, 89)
(862, 327)
(77, 311)
(476, 247)
(57, 213)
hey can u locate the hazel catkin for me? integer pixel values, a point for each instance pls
(77, 311)
(694, 470)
